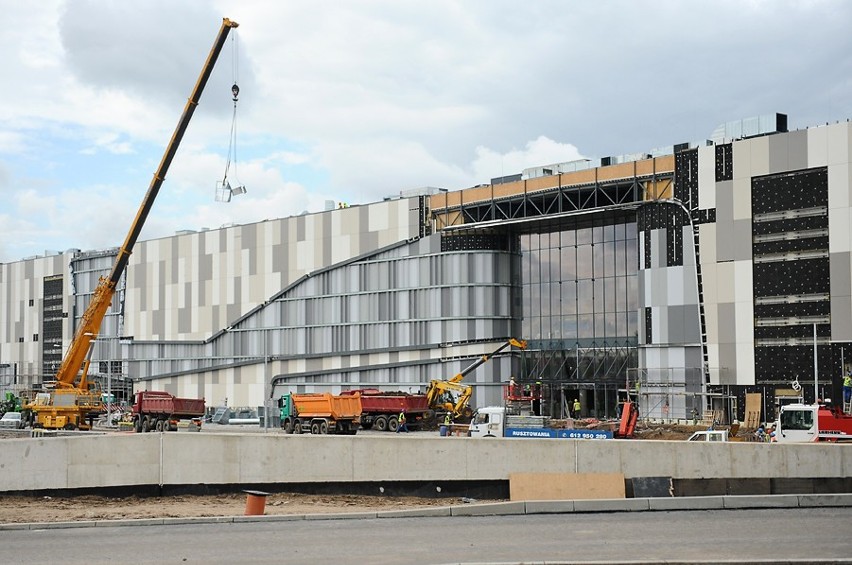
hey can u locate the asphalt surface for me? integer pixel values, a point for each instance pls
(792, 535)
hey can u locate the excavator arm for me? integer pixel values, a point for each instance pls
(452, 396)
(76, 356)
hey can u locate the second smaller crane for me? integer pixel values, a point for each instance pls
(453, 397)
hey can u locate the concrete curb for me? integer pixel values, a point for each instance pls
(689, 503)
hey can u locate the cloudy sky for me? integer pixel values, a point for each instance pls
(355, 101)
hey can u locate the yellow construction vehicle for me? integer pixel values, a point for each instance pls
(74, 401)
(452, 397)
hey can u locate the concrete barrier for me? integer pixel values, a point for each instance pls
(128, 460)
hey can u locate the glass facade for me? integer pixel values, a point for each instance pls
(580, 313)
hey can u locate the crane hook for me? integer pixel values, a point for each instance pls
(235, 90)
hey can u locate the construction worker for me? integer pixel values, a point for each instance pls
(403, 427)
(447, 426)
(577, 408)
(847, 388)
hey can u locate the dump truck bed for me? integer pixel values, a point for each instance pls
(326, 405)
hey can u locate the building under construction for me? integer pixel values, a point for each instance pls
(685, 277)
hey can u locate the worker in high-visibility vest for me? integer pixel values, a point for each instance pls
(847, 388)
(403, 427)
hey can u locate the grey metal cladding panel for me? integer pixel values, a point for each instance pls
(674, 316)
(725, 201)
(659, 282)
(797, 150)
(369, 240)
(205, 267)
(840, 273)
(327, 241)
(248, 236)
(280, 258)
(185, 313)
(140, 274)
(742, 240)
(658, 248)
(691, 323)
(725, 241)
(727, 363)
(223, 240)
(158, 323)
(234, 311)
(300, 228)
(173, 259)
(778, 161)
(363, 219)
(727, 323)
(841, 318)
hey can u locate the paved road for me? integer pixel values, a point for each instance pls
(746, 536)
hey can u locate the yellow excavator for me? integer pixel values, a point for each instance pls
(75, 400)
(453, 397)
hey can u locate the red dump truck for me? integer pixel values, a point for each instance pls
(320, 413)
(380, 409)
(161, 411)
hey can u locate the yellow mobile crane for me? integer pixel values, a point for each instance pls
(74, 398)
(451, 396)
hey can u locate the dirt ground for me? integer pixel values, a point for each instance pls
(17, 509)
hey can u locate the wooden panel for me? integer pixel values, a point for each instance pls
(508, 189)
(754, 400)
(445, 200)
(622, 171)
(541, 183)
(665, 164)
(658, 190)
(579, 177)
(476, 194)
(565, 486)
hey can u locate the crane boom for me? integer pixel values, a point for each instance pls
(78, 354)
(95, 312)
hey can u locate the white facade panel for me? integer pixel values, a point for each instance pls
(743, 281)
(839, 186)
(707, 177)
(817, 146)
(725, 282)
(742, 160)
(742, 199)
(837, 138)
(839, 234)
(759, 156)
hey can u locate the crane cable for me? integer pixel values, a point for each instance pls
(232, 142)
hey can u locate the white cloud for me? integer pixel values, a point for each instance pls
(370, 98)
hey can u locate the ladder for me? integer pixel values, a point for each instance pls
(847, 406)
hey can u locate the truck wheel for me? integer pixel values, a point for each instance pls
(161, 425)
(315, 428)
(323, 427)
(381, 423)
(146, 424)
(137, 424)
(70, 427)
(393, 424)
(297, 427)
(288, 427)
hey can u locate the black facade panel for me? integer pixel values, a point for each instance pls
(648, 334)
(785, 364)
(791, 277)
(800, 331)
(790, 191)
(786, 246)
(646, 238)
(791, 225)
(821, 308)
(724, 162)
